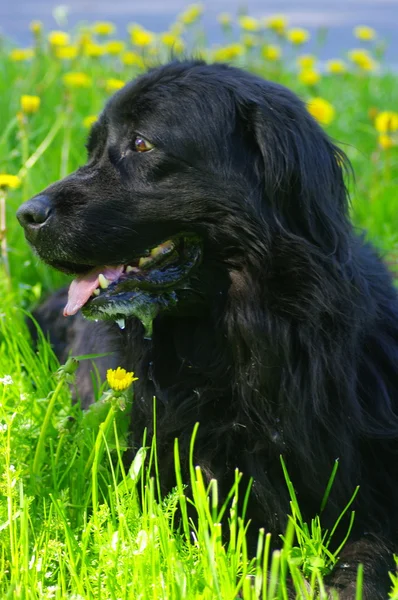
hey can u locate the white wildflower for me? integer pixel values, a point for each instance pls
(142, 541)
(115, 540)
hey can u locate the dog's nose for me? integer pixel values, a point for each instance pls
(34, 212)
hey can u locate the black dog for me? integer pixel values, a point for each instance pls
(215, 207)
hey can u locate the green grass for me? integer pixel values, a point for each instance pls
(73, 523)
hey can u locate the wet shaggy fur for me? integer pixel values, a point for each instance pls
(290, 341)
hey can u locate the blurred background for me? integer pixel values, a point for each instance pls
(338, 17)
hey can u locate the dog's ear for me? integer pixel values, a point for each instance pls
(301, 170)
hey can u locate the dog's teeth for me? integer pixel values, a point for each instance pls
(121, 323)
(164, 248)
(130, 269)
(103, 281)
(144, 261)
(96, 292)
(155, 253)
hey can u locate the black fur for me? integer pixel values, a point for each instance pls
(294, 349)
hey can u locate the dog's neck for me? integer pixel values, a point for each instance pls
(191, 351)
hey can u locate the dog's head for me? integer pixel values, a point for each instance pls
(191, 170)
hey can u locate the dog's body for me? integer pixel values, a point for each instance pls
(281, 339)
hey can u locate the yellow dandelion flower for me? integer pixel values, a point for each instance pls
(30, 104)
(369, 65)
(336, 66)
(168, 38)
(89, 121)
(297, 36)
(306, 61)
(94, 50)
(271, 52)
(112, 85)
(103, 28)
(66, 52)
(364, 33)
(191, 14)
(9, 181)
(248, 23)
(172, 41)
(249, 40)
(224, 19)
(115, 47)
(140, 36)
(309, 77)
(179, 46)
(77, 80)
(36, 27)
(386, 121)
(131, 59)
(277, 23)
(20, 54)
(321, 110)
(119, 379)
(85, 39)
(362, 59)
(227, 53)
(385, 141)
(58, 38)
(220, 55)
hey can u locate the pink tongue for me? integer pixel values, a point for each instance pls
(83, 286)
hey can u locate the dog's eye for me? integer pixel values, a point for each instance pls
(140, 144)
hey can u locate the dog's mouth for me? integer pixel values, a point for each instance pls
(140, 288)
